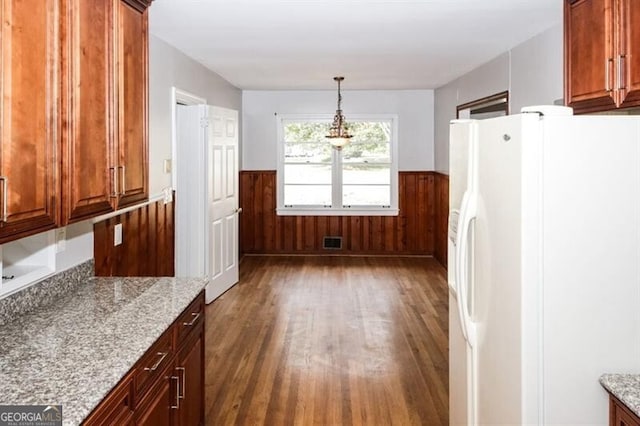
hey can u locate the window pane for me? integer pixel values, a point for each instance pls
(370, 131)
(307, 173)
(366, 174)
(366, 195)
(307, 153)
(367, 153)
(305, 195)
(306, 132)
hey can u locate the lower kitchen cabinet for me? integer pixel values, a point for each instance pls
(166, 385)
(619, 415)
(156, 409)
(190, 370)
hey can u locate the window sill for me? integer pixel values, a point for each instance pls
(336, 212)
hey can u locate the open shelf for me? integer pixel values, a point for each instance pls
(25, 262)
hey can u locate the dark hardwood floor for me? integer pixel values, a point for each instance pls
(329, 341)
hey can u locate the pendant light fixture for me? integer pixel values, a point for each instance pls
(338, 133)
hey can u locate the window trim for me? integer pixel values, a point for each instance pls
(392, 210)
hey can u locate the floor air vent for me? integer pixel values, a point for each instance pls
(332, 243)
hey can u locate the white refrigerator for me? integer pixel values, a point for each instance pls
(544, 265)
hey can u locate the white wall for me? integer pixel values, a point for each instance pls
(79, 246)
(168, 67)
(413, 107)
(532, 72)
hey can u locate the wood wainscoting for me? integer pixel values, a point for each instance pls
(441, 217)
(147, 247)
(412, 232)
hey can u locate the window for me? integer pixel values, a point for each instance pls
(492, 106)
(315, 179)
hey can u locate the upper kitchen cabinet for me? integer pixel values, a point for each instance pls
(629, 12)
(132, 150)
(602, 65)
(31, 129)
(88, 178)
(105, 151)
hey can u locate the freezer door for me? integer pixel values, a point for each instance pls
(462, 134)
(496, 297)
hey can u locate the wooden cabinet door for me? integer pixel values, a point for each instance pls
(589, 55)
(116, 408)
(88, 175)
(30, 122)
(629, 52)
(132, 101)
(159, 406)
(191, 372)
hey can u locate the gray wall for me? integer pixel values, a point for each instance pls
(168, 67)
(531, 71)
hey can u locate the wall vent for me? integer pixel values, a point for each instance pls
(332, 243)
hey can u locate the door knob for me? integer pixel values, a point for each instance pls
(239, 210)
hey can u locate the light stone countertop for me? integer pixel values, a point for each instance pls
(73, 351)
(625, 387)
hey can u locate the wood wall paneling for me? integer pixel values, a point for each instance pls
(442, 217)
(262, 231)
(147, 248)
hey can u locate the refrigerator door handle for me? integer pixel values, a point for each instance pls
(458, 264)
(457, 267)
(467, 216)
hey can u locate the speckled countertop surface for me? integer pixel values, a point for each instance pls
(625, 387)
(75, 350)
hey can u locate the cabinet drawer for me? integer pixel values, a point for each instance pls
(152, 363)
(190, 318)
(117, 408)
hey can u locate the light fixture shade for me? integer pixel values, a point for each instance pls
(338, 142)
(339, 133)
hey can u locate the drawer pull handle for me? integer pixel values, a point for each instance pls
(177, 379)
(196, 316)
(184, 373)
(155, 366)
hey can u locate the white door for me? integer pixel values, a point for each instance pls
(222, 198)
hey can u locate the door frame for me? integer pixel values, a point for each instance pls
(182, 97)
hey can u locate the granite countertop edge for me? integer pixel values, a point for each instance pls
(73, 351)
(625, 387)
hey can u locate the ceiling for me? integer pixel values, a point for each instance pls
(375, 44)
